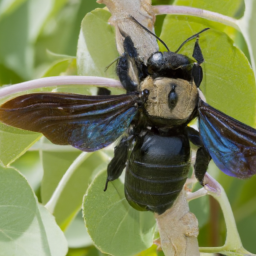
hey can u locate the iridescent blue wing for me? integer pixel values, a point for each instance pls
(85, 122)
(231, 144)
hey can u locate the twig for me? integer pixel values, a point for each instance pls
(59, 80)
(190, 11)
(199, 193)
(233, 244)
(63, 182)
(178, 229)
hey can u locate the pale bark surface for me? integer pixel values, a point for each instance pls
(142, 11)
(178, 229)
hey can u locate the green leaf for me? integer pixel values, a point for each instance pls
(15, 50)
(160, 253)
(149, 252)
(53, 240)
(8, 76)
(55, 165)
(57, 39)
(26, 227)
(17, 205)
(243, 205)
(162, 2)
(64, 67)
(7, 6)
(232, 8)
(235, 9)
(77, 234)
(246, 228)
(114, 226)
(21, 139)
(96, 45)
(30, 166)
(229, 82)
(57, 5)
(89, 251)
(14, 142)
(20, 29)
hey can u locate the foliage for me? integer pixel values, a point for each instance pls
(29, 28)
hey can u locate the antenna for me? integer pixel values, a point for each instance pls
(109, 65)
(151, 33)
(192, 37)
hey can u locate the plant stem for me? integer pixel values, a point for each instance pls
(50, 206)
(59, 80)
(190, 11)
(233, 239)
(233, 244)
(244, 25)
(52, 148)
(199, 193)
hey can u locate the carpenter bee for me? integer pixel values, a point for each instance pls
(154, 116)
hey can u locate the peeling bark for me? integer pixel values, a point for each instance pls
(178, 229)
(141, 10)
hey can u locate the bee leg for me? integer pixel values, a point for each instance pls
(130, 65)
(194, 136)
(197, 71)
(202, 156)
(202, 161)
(117, 164)
(122, 70)
(129, 47)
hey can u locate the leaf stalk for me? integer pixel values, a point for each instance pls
(196, 12)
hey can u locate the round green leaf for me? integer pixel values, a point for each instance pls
(30, 166)
(26, 227)
(114, 226)
(96, 45)
(17, 205)
(233, 8)
(53, 241)
(229, 82)
(77, 234)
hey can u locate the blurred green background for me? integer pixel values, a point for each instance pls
(39, 38)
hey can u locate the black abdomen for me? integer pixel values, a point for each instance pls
(156, 171)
